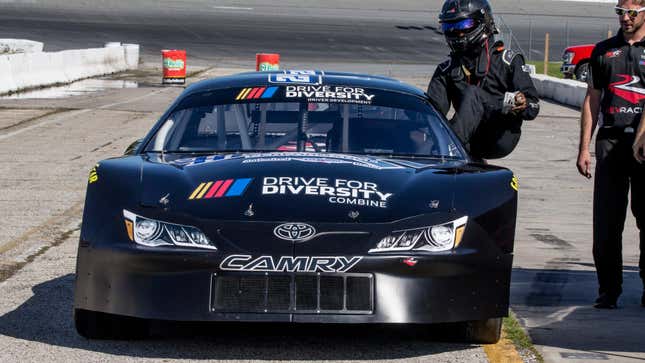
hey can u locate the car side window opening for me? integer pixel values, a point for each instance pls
(305, 127)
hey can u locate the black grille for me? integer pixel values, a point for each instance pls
(293, 293)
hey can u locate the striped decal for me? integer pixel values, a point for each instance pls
(204, 189)
(243, 94)
(238, 188)
(192, 196)
(269, 92)
(214, 189)
(221, 188)
(256, 93)
(252, 94)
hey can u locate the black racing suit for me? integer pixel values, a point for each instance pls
(618, 70)
(475, 85)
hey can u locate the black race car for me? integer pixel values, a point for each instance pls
(296, 196)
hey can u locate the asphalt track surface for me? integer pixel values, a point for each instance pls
(375, 31)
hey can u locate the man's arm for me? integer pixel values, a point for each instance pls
(438, 90)
(639, 143)
(529, 109)
(588, 122)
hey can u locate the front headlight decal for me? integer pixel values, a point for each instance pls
(442, 237)
(153, 233)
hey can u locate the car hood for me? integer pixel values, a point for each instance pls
(305, 187)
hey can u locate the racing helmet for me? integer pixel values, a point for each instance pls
(467, 24)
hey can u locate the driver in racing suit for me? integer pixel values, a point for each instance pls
(487, 84)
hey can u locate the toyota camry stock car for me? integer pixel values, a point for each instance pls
(296, 196)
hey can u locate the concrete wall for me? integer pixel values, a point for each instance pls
(20, 46)
(565, 91)
(36, 69)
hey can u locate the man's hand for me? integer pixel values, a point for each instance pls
(639, 149)
(584, 163)
(520, 103)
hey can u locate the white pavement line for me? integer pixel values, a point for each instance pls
(77, 113)
(232, 8)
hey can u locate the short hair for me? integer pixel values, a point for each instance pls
(635, 2)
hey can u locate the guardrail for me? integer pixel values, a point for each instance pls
(37, 69)
(566, 91)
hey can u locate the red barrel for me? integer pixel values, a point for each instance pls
(267, 62)
(174, 66)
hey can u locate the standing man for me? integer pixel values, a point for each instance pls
(616, 91)
(488, 85)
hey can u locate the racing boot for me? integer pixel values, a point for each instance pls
(606, 301)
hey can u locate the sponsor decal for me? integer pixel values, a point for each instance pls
(329, 94)
(220, 189)
(256, 93)
(613, 53)
(294, 232)
(337, 191)
(173, 64)
(289, 263)
(642, 62)
(626, 90)
(631, 110)
(297, 77)
(515, 184)
(305, 157)
(204, 159)
(411, 261)
(94, 176)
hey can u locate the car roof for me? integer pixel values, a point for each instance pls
(255, 79)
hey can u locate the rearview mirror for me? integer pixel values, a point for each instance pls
(133, 147)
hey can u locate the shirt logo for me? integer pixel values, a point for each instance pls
(625, 89)
(613, 53)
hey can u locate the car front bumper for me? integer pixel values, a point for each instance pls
(568, 69)
(186, 285)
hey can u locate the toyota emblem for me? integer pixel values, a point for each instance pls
(294, 232)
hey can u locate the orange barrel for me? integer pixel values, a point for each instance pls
(174, 66)
(267, 62)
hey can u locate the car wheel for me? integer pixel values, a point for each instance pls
(95, 325)
(582, 71)
(487, 331)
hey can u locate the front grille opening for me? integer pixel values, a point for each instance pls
(293, 293)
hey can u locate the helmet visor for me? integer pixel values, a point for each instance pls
(459, 26)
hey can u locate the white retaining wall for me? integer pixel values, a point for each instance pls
(20, 46)
(566, 91)
(28, 70)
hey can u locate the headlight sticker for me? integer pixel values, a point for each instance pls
(515, 184)
(94, 176)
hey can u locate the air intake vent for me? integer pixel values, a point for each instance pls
(293, 293)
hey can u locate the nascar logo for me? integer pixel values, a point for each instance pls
(220, 189)
(256, 93)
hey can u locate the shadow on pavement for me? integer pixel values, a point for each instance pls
(556, 305)
(47, 318)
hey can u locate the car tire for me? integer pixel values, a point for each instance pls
(96, 325)
(487, 331)
(582, 72)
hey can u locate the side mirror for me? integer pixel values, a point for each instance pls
(131, 149)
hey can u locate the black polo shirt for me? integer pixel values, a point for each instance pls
(618, 69)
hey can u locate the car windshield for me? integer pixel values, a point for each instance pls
(345, 120)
